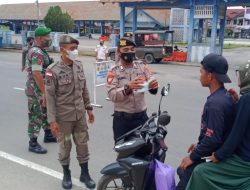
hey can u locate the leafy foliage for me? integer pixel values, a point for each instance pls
(58, 21)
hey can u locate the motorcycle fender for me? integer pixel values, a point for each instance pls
(114, 169)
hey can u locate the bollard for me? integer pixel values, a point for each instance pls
(114, 39)
(1, 39)
(24, 37)
(8, 39)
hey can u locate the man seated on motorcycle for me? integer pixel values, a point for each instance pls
(217, 118)
(126, 83)
(230, 166)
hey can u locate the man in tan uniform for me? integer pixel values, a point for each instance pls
(126, 84)
(67, 103)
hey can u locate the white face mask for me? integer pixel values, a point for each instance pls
(72, 55)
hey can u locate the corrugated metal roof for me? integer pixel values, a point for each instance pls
(78, 10)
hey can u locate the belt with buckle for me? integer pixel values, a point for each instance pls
(130, 115)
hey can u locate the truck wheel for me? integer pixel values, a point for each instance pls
(149, 58)
(158, 60)
(112, 56)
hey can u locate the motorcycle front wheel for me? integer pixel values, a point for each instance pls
(114, 183)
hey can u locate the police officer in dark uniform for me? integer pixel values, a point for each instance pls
(127, 82)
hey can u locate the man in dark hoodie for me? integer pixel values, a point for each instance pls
(230, 166)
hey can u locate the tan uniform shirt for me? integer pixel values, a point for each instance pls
(66, 92)
(118, 76)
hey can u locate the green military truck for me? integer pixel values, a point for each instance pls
(151, 45)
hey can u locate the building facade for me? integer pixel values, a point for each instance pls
(89, 17)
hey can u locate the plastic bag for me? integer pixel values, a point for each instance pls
(164, 176)
(149, 180)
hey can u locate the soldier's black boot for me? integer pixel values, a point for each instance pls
(85, 178)
(35, 147)
(66, 182)
(48, 137)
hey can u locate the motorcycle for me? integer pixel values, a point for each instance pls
(136, 150)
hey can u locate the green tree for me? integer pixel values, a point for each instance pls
(58, 21)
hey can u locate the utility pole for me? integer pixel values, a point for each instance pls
(38, 12)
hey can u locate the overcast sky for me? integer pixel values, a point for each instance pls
(33, 1)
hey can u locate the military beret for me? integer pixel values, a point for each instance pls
(66, 39)
(123, 42)
(42, 31)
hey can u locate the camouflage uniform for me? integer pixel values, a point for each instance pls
(37, 60)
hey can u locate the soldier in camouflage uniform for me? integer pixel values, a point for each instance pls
(38, 61)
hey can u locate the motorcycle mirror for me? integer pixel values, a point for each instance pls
(165, 90)
(164, 119)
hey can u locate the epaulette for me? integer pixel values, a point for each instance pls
(139, 61)
(36, 49)
(79, 64)
(114, 67)
(78, 61)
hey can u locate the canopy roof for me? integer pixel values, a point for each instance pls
(174, 3)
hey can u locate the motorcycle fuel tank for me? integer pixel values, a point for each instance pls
(127, 148)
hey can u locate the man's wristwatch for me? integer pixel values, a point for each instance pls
(127, 90)
(89, 108)
(126, 87)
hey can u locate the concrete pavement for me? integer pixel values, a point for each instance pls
(184, 104)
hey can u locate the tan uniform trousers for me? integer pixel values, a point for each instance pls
(79, 130)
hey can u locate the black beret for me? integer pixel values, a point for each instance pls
(123, 42)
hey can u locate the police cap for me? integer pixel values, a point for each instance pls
(42, 31)
(123, 42)
(66, 39)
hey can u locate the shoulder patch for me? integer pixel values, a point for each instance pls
(49, 75)
(110, 77)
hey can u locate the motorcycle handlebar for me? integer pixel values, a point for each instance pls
(140, 128)
(163, 144)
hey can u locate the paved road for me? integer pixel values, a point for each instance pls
(184, 104)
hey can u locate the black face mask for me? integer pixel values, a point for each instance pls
(30, 43)
(128, 57)
(101, 44)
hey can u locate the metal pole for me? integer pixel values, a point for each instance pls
(134, 27)
(191, 31)
(122, 19)
(38, 19)
(214, 27)
(222, 30)
(94, 104)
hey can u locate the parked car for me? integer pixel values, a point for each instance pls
(151, 45)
